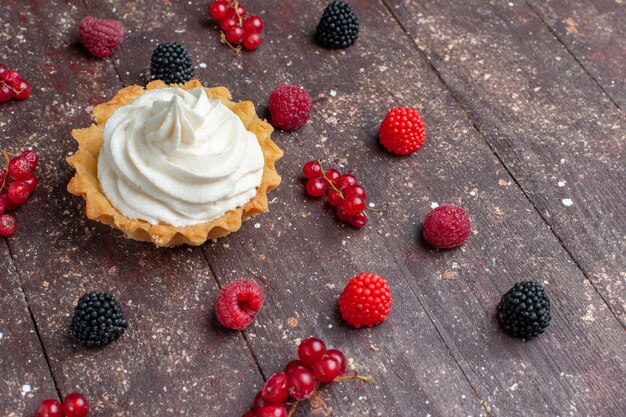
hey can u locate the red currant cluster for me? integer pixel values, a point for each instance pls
(74, 405)
(237, 27)
(14, 193)
(344, 192)
(300, 379)
(12, 85)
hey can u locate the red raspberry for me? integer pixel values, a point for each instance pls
(402, 131)
(100, 36)
(290, 107)
(366, 300)
(238, 304)
(447, 226)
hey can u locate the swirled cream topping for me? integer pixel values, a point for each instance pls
(177, 157)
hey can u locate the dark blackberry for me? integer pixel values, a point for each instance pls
(98, 320)
(524, 311)
(338, 27)
(171, 64)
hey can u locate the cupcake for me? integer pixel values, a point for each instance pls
(172, 165)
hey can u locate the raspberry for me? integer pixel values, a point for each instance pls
(238, 304)
(290, 107)
(366, 300)
(447, 226)
(402, 132)
(100, 36)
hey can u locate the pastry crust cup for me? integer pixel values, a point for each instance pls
(85, 182)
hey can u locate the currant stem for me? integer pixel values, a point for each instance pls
(353, 377)
(319, 161)
(225, 41)
(293, 409)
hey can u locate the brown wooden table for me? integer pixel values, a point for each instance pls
(524, 103)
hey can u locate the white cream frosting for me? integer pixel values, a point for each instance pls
(177, 157)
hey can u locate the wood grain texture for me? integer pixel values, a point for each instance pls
(558, 134)
(25, 379)
(595, 33)
(440, 353)
(305, 258)
(296, 239)
(173, 359)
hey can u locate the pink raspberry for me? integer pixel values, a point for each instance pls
(447, 226)
(290, 107)
(238, 304)
(100, 36)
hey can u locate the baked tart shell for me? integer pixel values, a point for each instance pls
(85, 182)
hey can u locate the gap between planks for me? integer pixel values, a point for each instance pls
(255, 358)
(558, 39)
(211, 269)
(33, 322)
(495, 152)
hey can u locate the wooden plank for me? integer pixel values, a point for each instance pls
(305, 257)
(25, 378)
(305, 267)
(595, 33)
(555, 130)
(173, 360)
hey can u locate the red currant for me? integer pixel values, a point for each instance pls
(31, 157)
(8, 204)
(353, 204)
(334, 198)
(18, 192)
(293, 365)
(1, 205)
(346, 180)
(22, 91)
(20, 168)
(5, 93)
(316, 187)
(227, 23)
(275, 389)
(310, 350)
(249, 414)
(49, 408)
(354, 190)
(332, 174)
(31, 183)
(218, 9)
(252, 41)
(75, 405)
(7, 225)
(343, 216)
(312, 169)
(236, 13)
(11, 78)
(359, 220)
(235, 34)
(301, 383)
(259, 402)
(272, 411)
(326, 369)
(253, 24)
(3, 68)
(340, 358)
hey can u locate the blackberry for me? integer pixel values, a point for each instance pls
(524, 311)
(338, 27)
(98, 320)
(171, 63)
